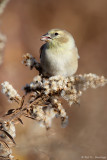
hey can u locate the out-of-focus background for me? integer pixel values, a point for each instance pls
(23, 22)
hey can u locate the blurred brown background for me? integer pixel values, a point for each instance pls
(23, 22)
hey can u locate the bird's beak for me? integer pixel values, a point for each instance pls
(45, 37)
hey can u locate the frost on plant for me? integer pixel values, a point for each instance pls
(42, 101)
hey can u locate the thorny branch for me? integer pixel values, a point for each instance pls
(41, 101)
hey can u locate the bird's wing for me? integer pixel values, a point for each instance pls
(75, 51)
(41, 50)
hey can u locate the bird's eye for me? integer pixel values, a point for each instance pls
(56, 34)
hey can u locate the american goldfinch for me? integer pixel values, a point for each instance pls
(59, 54)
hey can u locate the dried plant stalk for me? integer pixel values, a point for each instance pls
(2, 46)
(3, 4)
(42, 101)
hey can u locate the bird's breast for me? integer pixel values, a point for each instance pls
(58, 62)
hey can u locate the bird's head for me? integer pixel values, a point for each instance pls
(57, 37)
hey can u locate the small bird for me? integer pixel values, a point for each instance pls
(59, 54)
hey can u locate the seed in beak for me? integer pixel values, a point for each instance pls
(45, 38)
